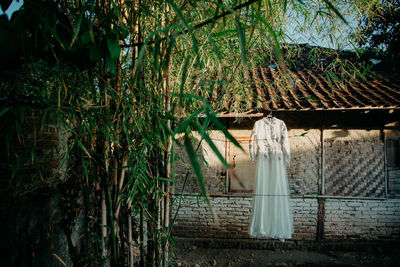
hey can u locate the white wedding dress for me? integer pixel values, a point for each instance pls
(272, 216)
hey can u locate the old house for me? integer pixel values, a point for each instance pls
(344, 174)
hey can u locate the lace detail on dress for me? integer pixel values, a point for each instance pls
(271, 139)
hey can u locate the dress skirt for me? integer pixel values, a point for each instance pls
(272, 216)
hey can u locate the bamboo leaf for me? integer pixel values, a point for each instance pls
(195, 163)
(329, 81)
(142, 49)
(114, 48)
(15, 169)
(55, 35)
(156, 55)
(242, 39)
(107, 134)
(167, 130)
(86, 37)
(95, 53)
(275, 39)
(77, 28)
(214, 148)
(182, 126)
(44, 118)
(127, 133)
(167, 56)
(285, 6)
(83, 147)
(139, 62)
(110, 65)
(183, 78)
(190, 29)
(335, 10)
(4, 110)
(85, 170)
(169, 116)
(221, 127)
(162, 179)
(215, 47)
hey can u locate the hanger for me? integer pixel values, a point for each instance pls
(269, 116)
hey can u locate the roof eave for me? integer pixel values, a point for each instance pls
(256, 114)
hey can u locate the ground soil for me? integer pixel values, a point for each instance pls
(198, 257)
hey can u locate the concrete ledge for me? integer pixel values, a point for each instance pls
(380, 246)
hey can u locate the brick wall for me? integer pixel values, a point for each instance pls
(305, 217)
(31, 144)
(362, 219)
(233, 215)
(305, 151)
(357, 219)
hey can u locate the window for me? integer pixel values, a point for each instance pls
(242, 173)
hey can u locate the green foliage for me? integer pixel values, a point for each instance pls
(379, 27)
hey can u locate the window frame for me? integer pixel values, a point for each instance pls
(239, 138)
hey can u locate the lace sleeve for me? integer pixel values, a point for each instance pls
(251, 144)
(285, 144)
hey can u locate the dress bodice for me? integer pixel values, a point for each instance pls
(271, 138)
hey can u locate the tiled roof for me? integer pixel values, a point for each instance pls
(305, 84)
(308, 89)
(316, 90)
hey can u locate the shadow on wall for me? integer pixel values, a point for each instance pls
(340, 133)
(214, 173)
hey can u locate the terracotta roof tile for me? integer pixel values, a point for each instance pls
(311, 90)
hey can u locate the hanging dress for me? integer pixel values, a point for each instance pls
(272, 216)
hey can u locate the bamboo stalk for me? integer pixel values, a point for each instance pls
(322, 189)
(130, 256)
(103, 224)
(141, 237)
